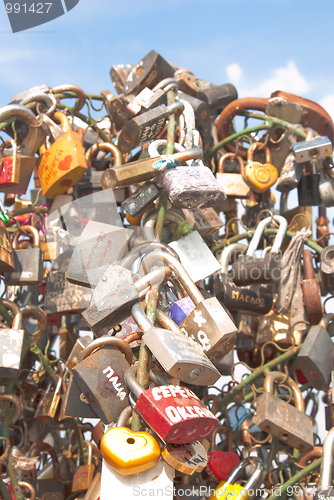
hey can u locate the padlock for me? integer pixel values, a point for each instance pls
(232, 184)
(275, 327)
(50, 487)
(28, 262)
(75, 355)
(209, 323)
(98, 246)
(146, 127)
(100, 376)
(325, 479)
(63, 164)
(119, 74)
(115, 307)
(221, 463)
(316, 357)
(326, 186)
(73, 402)
(47, 407)
(259, 176)
(311, 291)
(248, 270)
(186, 458)
(6, 251)
(144, 169)
(118, 113)
(179, 420)
(106, 147)
(217, 97)
(308, 187)
(311, 149)
(179, 355)
(129, 452)
(147, 99)
(290, 175)
(226, 489)
(327, 269)
(280, 419)
(49, 246)
(141, 199)
(12, 339)
(84, 475)
(295, 223)
(204, 220)
(238, 298)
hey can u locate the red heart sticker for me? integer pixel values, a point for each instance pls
(65, 163)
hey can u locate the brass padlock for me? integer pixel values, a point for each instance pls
(233, 184)
(6, 251)
(84, 475)
(50, 246)
(47, 407)
(63, 164)
(259, 176)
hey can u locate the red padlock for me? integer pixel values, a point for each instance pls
(221, 463)
(175, 413)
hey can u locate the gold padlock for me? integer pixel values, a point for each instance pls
(50, 248)
(63, 164)
(259, 176)
(84, 475)
(233, 184)
(47, 407)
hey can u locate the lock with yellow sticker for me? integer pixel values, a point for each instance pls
(63, 163)
(226, 490)
(259, 176)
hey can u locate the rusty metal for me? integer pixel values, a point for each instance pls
(311, 290)
(322, 227)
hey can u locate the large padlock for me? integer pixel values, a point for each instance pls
(311, 291)
(316, 357)
(248, 270)
(209, 324)
(179, 355)
(63, 164)
(173, 412)
(226, 489)
(28, 262)
(12, 339)
(259, 176)
(232, 184)
(234, 297)
(282, 420)
(100, 376)
(141, 199)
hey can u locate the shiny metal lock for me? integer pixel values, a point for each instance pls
(316, 357)
(311, 290)
(98, 246)
(50, 246)
(100, 376)
(186, 458)
(16, 169)
(234, 297)
(259, 176)
(232, 184)
(6, 251)
(179, 355)
(47, 407)
(146, 127)
(327, 269)
(115, 307)
(63, 164)
(11, 343)
(311, 149)
(326, 186)
(209, 324)
(83, 477)
(28, 262)
(249, 270)
(280, 419)
(221, 463)
(173, 412)
(126, 451)
(231, 491)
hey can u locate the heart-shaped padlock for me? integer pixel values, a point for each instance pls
(259, 176)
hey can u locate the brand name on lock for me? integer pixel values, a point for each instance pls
(246, 298)
(110, 374)
(102, 236)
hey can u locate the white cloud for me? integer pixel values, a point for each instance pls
(328, 103)
(234, 72)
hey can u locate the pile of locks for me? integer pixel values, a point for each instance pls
(144, 350)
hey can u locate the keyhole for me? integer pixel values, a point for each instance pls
(131, 441)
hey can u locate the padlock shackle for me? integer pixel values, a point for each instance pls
(222, 159)
(64, 122)
(154, 146)
(328, 318)
(164, 83)
(325, 479)
(28, 486)
(254, 243)
(107, 147)
(176, 107)
(7, 144)
(30, 230)
(258, 145)
(18, 405)
(181, 156)
(140, 318)
(15, 310)
(221, 429)
(166, 322)
(143, 249)
(107, 341)
(158, 258)
(45, 447)
(124, 416)
(268, 386)
(311, 455)
(69, 87)
(48, 99)
(253, 479)
(35, 312)
(154, 277)
(131, 381)
(228, 251)
(90, 452)
(56, 131)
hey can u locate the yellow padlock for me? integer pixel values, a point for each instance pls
(63, 164)
(259, 176)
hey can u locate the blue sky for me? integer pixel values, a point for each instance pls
(259, 46)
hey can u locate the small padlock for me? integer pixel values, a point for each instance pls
(11, 343)
(290, 174)
(84, 475)
(47, 407)
(204, 220)
(63, 164)
(248, 270)
(173, 412)
(259, 176)
(282, 420)
(28, 262)
(49, 246)
(221, 463)
(141, 199)
(232, 184)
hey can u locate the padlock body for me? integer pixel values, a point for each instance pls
(16, 173)
(308, 190)
(61, 297)
(101, 378)
(83, 477)
(73, 405)
(11, 343)
(230, 492)
(141, 199)
(327, 269)
(176, 414)
(28, 267)
(62, 165)
(284, 421)
(249, 270)
(260, 177)
(233, 185)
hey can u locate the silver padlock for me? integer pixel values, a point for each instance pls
(11, 343)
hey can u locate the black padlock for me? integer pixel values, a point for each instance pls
(218, 97)
(119, 74)
(141, 198)
(118, 113)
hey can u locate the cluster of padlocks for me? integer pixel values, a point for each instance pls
(145, 351)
